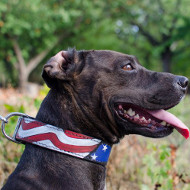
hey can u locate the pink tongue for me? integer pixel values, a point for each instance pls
(172, 120)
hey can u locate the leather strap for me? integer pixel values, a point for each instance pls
(64, 141)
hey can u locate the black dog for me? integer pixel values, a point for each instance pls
(103, 94)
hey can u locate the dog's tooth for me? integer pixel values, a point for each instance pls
(137, 116)
(143, 119)
(149, 120)
(163, 123)
(131, 112)
(125, 111)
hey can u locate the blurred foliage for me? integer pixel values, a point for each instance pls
(10, 126)
(9, 129)
(158, 166)
(156, 31)
(43, 92)
(147, 29)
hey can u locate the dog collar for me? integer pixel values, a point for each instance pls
(64, 141)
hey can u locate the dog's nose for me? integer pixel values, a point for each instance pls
(182, 82)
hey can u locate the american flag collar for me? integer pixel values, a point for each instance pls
(64, 141)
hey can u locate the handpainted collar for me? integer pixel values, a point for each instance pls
(64, 141)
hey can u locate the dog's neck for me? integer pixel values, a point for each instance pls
(62, 169)
(60, 110)
(58, 171)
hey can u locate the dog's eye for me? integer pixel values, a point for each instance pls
(127, 67)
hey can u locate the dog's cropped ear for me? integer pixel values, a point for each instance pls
(59, 67)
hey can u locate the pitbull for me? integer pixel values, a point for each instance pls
(102, 94)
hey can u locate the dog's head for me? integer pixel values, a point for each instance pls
(114, 91)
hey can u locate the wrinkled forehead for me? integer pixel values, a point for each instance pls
(106, 57)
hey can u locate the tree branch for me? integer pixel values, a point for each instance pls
(161, 6)
(175, 18)
(18, 52)
(146, 34)
(33, 63)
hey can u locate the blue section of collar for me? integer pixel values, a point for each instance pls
(101, 154)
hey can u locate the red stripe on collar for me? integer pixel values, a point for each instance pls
(63, 141)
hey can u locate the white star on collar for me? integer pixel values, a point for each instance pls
(94, 157)
(105, 148)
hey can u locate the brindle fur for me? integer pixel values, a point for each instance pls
(85, 85)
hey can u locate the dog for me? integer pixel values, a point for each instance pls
(103, 94)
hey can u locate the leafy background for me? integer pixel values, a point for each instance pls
(157, 32)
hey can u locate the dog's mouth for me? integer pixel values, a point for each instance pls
(154, 120)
